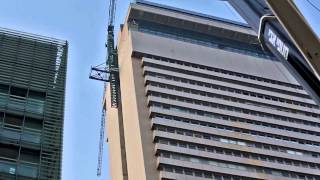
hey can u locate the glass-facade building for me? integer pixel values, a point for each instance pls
(32, 90)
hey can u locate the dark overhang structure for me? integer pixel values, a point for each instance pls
(283, 30)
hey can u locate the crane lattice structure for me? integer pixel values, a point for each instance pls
(108, 72)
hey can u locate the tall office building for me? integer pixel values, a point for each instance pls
(32, 88)
(201, 100)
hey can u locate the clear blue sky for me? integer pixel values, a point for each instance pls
(83, 24)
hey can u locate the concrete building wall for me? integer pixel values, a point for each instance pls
(115, 140)
(194, 110)
(174, 49)
(141, 163)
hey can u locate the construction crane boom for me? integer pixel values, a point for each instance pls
(108, 72)
(101, 139)
(112, 12)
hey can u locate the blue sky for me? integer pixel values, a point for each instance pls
(83, 24)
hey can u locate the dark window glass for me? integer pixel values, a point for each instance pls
(30, 155)
(13, 120)
(4, 88)
(18, 92)
(33, 123)
(178, 170)
(37, 95)
(188, 172)
(198, 173)
(9, 151)
(1, 116)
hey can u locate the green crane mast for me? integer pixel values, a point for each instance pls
(108, 72)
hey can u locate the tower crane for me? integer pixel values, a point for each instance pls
(108, 72)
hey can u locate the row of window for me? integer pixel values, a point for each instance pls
(20, 122)
(233, 141)
(22, 154)
(222, 71)
(248, 168)
(19, 161)
(201, 174)
(241, 154)
(277, 117)
(222, 79)
(230, 89)
(22, 99)
(249, 121)
(19, 129)
(238, 130)
(21, 170)
(24, 137)
(21, 92)
(315, 155)
(239, 110)
(232, 99)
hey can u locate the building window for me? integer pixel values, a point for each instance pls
(18, 92)
(28, 170)
(29, 155)
(33, 124)
(35, 102)
(13, 121)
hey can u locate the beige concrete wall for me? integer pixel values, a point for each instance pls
(141, 162)
(114, 136)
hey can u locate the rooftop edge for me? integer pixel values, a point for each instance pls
(192, 13)
(30, 36)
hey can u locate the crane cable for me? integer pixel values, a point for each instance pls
(313, 5)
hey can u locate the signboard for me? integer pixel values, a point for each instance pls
(274, 39)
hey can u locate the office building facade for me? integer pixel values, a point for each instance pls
(32, 90)
(201, 100)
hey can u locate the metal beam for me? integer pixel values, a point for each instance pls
(274, 37)
(299, 31)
